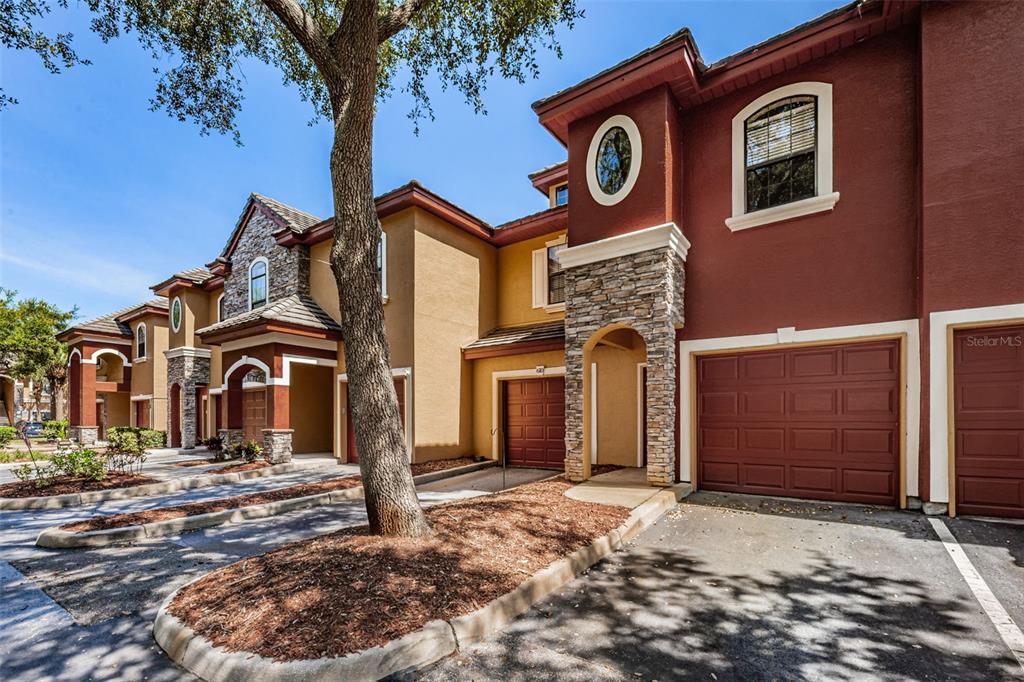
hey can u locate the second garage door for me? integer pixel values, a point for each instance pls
(535, 422)
(819, 422)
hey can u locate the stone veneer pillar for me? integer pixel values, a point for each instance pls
(84, 435)
(643, 291)
(277, 445)
(189, 368)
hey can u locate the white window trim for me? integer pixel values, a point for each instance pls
(789, 335)
(384, 267)
(496, 377)
(217, 304)
(824, 200)
(145, 339)
(540, 277)
(940, 370)
(636, 149)
(181, 314)
(248, 283)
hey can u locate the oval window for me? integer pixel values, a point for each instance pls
(614, 158)
(176, 314)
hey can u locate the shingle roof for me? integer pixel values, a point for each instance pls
(109, 324)
(294, 309)
(543, 331)
(297, 220)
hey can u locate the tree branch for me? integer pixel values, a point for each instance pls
(399, 18)
(301, 25)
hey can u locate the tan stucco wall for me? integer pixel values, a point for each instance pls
(617, 404)
(158, 408)
(454, 305)
(515, 283)
(196, 308)
(310, 405)
(321, 280)
(482, 405)
(118, 409)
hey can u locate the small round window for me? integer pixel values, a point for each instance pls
(614, 158)
(176, 314)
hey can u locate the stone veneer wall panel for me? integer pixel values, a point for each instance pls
(643, 291)
(288, 272)
(189, 372)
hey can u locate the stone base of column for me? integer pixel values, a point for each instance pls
(574, 470)
(84, 435)
(277, 445)
(229, 438)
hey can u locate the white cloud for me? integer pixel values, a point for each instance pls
(85, 271)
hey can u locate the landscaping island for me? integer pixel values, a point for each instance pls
(67, 485)
(349, 591)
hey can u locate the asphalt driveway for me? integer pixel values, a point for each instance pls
(733, 587)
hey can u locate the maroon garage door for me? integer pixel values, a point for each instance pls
(819, 422)
(535, 422)
(988, 377)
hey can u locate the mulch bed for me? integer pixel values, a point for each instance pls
(440, 465)
(349, 590)
(65, 485)
(196, 508)
(222, 504)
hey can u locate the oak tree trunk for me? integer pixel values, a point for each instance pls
(390, 494)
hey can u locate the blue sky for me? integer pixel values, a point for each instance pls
(100, 197)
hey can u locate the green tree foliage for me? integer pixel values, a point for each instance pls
(28, 336)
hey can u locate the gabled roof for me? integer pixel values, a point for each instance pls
(296, 310)
(195, 276)
(112, 324)
(287, 218)
(676, 62)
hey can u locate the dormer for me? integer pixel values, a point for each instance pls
(553, 183)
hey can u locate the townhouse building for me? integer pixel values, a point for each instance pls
(798, 271)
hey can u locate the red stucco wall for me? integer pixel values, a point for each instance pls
(854, 265)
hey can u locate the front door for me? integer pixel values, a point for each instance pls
(254, 414)
(353, 453)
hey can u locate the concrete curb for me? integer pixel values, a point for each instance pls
(432, 642)
(188, 483)
(55, 538)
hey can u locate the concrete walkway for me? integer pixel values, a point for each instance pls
(88, 613)
(622, 488)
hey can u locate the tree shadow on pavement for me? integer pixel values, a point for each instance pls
(658, 614)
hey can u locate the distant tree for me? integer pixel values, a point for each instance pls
(29, 348)
(343, 56)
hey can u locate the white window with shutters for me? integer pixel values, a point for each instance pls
(782, 156)
(549, 277)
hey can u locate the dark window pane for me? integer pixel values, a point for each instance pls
(614, 156)
(562, 195)
(780, 145)
(556, 287)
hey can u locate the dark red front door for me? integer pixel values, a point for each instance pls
(254, 414)
(142, 414)
(535, 422)
(988, 417)
(353, 453)
(820, 423)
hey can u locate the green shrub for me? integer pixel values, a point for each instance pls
(250, 450)
(150, 438)
(7, 434)
(124, 439)
(216, 446)
(56, 429)
(77, 463)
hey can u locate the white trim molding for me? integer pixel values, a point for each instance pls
(825, 198)
(541, 294)
(641, 425)
(109, 351)
(246, 360)
(217, 306)
(789, 335)
(496, 377)
(636, 158)
(286, 366)
(140, 398)
(188, 352)
(657, 237)
(938, 370)
(141, 357)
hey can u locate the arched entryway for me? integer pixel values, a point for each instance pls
(174, 435)
(614, 398)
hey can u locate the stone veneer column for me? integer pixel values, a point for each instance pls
(84, 435)
(277, 445)
(643, 291)
(189, 371)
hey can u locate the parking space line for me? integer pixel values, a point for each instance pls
(1002, 621)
